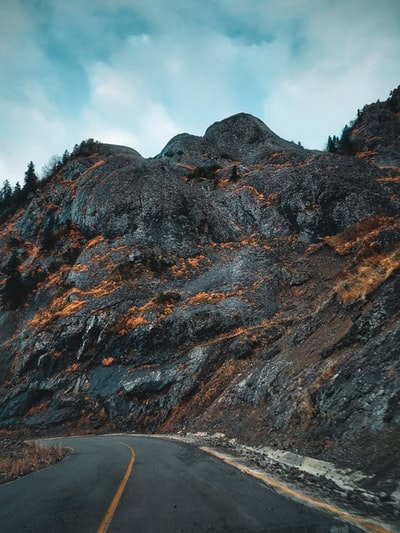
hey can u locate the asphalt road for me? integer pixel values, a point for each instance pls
(149, 485)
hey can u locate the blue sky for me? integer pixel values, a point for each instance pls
(138, 72)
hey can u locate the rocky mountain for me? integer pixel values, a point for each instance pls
(374, 134)
(236, 282)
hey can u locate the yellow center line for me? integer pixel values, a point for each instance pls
(115, 501)
(346, 516)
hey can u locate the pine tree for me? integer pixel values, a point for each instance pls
(13, 292)
(65, 157)
(345, 145)
(6, 193)
(332, 144)
(6, 200)
(18, 195)
(31, 180)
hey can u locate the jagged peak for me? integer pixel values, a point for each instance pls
(244, 136)
(250, 128)
(240, 136)
(183, 143)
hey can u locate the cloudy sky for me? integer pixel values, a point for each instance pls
(137, 72)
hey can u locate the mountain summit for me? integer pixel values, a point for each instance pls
(236, 282)
(241, 137)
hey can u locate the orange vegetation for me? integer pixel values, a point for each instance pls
(46, 316)
(206, 297)
(168, 309)
(363, 155)
(228, 245)
(37, 409)
(196, 263)
(363, 233)
(71, 308)
(255, 333)
(72, 368)
(389, 179)
(95, 240)
(231, 245)
(97, 164)
(283, 165)
(104, 288)
(134, 318)
(184, 165)
(180, 270)
(268, 201)
(136, 321)
(78, 267)
(224, 182)
(29, 457)
(61, 305)
(369, 268)
(56, 278)
(253, 190)
(357, 283)
(108, 361)
(9, 228)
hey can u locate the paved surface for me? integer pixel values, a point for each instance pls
(148, 485)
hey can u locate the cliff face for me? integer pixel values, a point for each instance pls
(235, 282)
(375, 134)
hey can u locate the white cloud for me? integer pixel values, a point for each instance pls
(33, 134)
(137, 73)
(358, 46)
(121, 111)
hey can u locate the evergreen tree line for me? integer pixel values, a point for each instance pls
(343, 144)
(17, 286)
(11, 199)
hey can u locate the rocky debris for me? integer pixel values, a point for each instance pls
(333, 395)
(321, 480)
(236, 282)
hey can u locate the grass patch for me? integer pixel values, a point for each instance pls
(18, 457)
(361, 236)
(357, 283)
(373, 260)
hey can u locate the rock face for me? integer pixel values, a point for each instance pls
(235, 282)
(375, 134)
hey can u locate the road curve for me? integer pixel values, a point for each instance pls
(149, 485)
